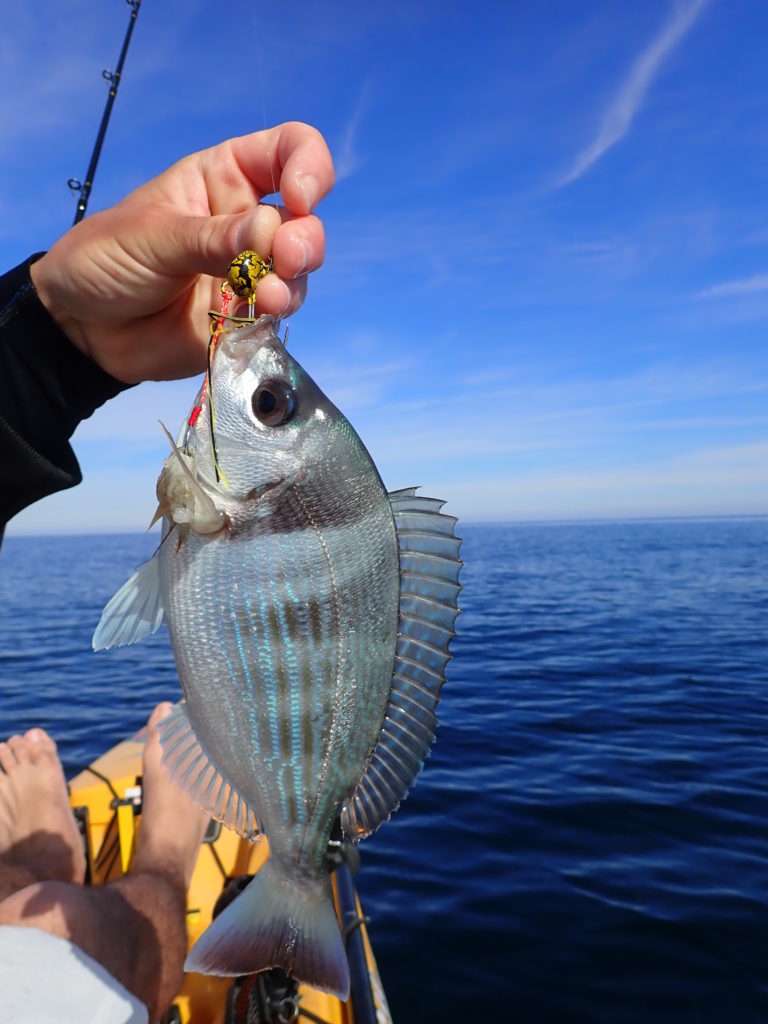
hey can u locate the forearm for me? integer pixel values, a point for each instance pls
(47, 386)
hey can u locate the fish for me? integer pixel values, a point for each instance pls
(310, 614)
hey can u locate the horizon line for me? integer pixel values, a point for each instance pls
(560, 521)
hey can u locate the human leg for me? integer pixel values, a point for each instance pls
(136, 926)
(38, 836)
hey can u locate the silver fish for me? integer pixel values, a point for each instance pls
(310, 614)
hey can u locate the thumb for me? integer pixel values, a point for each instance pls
(207, 245)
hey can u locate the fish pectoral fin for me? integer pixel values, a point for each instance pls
(191, 767)
(135, 611)
(429, 591)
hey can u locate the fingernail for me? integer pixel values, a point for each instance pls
(304, 249)
(309, 187)
(246, 230)
(286, 308)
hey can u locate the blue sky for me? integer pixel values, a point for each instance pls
(546, 291)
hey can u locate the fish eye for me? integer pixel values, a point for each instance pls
(273, 403)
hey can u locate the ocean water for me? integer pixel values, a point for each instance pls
(589, 840)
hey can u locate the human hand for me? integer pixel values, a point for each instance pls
(131, 286)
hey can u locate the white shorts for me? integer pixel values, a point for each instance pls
(47, 980)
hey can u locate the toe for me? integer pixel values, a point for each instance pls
(161, 711)
(19, 749)
(40, 737)
(39, 743)
(7, 758)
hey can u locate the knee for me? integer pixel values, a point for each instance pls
(49, 906)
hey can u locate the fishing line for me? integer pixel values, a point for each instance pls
(217, 319)
(216, 328)
(262, 78)
(262, 84)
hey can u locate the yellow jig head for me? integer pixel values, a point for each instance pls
(245, 272)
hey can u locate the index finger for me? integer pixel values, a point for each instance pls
(293, 157)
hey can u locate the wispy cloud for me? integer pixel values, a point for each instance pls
(107, 501)
(133, 416)
(705, 481)
(52, 97)
(731, 289)
(366, 242)
(584, 446)
(620, 113)
(348, 159)
(660, 382)
(353, 387)
(716, 480)
(568, 423)
(59, 89)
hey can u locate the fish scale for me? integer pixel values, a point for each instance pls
(310, 615)
(266, 567)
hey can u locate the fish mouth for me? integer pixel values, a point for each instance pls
(235, 322)
(242, 336)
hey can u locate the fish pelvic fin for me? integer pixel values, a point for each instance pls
(135, 611)
(275, 922)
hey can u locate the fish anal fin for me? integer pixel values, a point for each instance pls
(191, 767)
(429, 589)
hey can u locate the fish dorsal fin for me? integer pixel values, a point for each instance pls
(134, 612)
(192, 769)
(429, 590)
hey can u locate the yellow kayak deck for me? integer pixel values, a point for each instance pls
(107, 797)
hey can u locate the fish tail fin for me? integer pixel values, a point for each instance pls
(275, 923)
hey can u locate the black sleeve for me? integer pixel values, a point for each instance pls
(47, 386)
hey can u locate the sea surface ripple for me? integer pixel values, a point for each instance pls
(589, 840)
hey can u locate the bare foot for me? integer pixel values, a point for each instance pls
(172, 825)
(38, 833)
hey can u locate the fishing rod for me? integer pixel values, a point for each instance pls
(83, 188)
